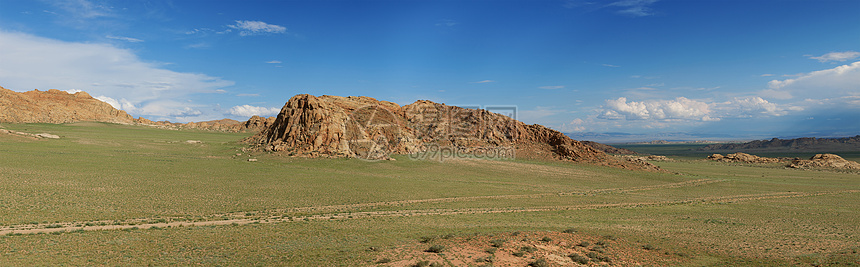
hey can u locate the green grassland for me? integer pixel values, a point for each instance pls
(321, 212)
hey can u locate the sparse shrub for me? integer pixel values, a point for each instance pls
(53, 226)
(383, 260)
(579, 258)
(610, 237)
(435, 248)
(528, 249)
(490, 258)
(597, 257)
(426, 239)
(448, 236)
(427, 264)
(491, 250)
(569, 231)
(539, 263)
(649, 247)
(497, 243)
(519, 253)
(584, 244)
(602, 243)
(546, 239)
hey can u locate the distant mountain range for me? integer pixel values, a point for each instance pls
(805, 144)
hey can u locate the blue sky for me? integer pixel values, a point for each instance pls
(649, 67)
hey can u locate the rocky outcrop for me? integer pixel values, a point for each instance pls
(252, 125)
(798, 144)
(55, 106)
(831, 161)
(363, 127)
(746, 158)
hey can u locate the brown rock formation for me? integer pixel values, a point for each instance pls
(746, 158)
(254, 124)
(825, 161)
(55, 106)
(363, 127)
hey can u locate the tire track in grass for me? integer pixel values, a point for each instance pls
(35, 229)
(243, 217)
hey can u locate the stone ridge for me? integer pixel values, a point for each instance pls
(363, 127)
(55, 106)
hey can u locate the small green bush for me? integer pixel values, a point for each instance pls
(546, 239)
(539, 263)
(497, 243)
(569, 231)
(435, 248)
(579, 258)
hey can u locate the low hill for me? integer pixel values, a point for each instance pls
(253, 124)
(55, 106)
(809, 144)
(609, 149)
(363, 127)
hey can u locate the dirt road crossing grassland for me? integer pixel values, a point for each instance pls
(124, 195)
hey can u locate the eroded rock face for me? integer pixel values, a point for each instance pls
(746, 158)
(55, 106)
(825, 161)
(363, 127)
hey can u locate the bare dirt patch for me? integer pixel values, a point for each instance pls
(563, 248)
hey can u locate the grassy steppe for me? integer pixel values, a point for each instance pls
(316, 212)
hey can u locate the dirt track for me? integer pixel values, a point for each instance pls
(340, 212)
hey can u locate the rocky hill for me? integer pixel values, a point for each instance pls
(363, 127)
(609, 149)
(253, 125)
(798, 144)
(55, 106)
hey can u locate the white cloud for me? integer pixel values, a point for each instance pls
(121, 104)
(123, 38)
(274, 62)
(248, 27)
(680, 108)
(839, 81)
(684, 109)
(139, 87)
(837, 56)
(485, 81)
(248, 111)
(610, 65)
(748, 107)
(636, 8)
(552, 87)
(82, 8)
